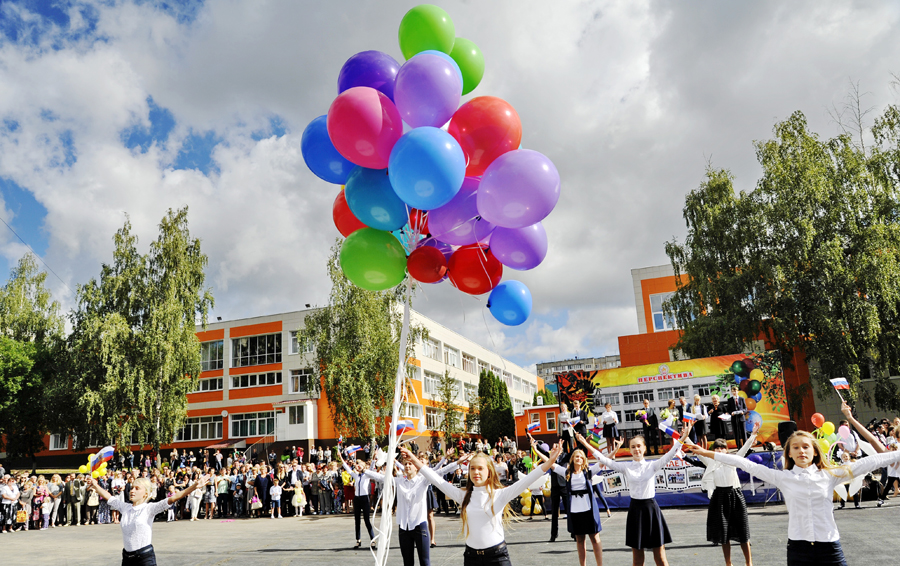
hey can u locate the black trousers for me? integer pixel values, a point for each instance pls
(651, 437)
(567, 442)
(494, 556)
(739, 427)
(362, 506)
(141, 557)
(442, 502)
(314, 503)
(804, 553)
(555, 498)
(415, 539)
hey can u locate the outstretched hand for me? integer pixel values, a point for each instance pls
(555, 452)
(756, 426)
(619, 442)
(845, 410)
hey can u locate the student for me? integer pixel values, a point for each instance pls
(610, 429)
(362, 507)
(645, 526)
(275, 497)
(701, 415)
(726, 519)
(483, 505)
(583, 517)
(807, 484)
(137, 518)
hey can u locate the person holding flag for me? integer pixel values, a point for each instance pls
(533, 427)
(362, 507)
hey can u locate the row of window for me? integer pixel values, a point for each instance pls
(662, 394)
(549, 370)
(249, 351)
(299, 381)
(432, 349)
(254, 379)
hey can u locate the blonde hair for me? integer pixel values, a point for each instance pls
(571, 466)
(144, 484)
(491, 484)
(819, 458)
(715, 398)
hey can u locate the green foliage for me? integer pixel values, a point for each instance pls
(134, 351)
(451, 416)
(27, 311)
(494, 407)
(357, 338)
(547, 395)
(810, 258)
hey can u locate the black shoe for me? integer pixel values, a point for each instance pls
(552, 539)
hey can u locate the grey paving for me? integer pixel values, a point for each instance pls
(868, 535)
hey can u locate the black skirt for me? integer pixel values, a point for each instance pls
(582, 523)
(699, 428)
(727, 517)
(431, 499)
(610, 431)
(646, 527)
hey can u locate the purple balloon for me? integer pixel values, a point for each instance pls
(373, 69)
(518, 189)
(520, 248)
(427, 91)
(445, 249)
(457, 222)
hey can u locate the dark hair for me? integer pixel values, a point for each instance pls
(720, 443)
(635, 437)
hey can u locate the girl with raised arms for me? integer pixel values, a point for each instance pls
(645, 526)
(807, 483)
(483, 505)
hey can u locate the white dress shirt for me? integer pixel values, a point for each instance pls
(412, 509)
(137, 521)
(719, 474)
(484, 515)
(640, 476)
(360, 488)
(580, 503)
(808, 492)
(609, 417)
(563, 420)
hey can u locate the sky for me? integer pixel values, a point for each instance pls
(123, 109)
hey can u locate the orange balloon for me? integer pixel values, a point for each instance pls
(818, 419)
(751, 404)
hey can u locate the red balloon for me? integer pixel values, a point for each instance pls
(418, 220)
(427, 264)
(818, 419)
(343, 218)
(474, 269)
(486, 127)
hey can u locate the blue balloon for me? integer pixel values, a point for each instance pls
(510, 303)
(752, 418)
(446, 57)
(757, 397)
(320, 155)
(373, 69)
(371, 199)
(427, 168)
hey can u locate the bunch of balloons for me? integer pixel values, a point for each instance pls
(96, 463)
(527, 507)
(824, 433)
(749, 380)
(431, 188)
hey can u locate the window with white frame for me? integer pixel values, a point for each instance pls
(414, 372)
(518, 406)
(200, 428)
(296, 414)
(601, 399)
(255, 379)
(252, 424)
(551, 421)
(483, 367)
(433, 418)
(706, 389)
(671, 392)
(256, 350)
(431, 349)
(431, 382)
(660, 320)
(209, 384)
(507, 378)
(637, 396)
(212, 355)
(534, 417)
(300, 381)
(412, 411)
(451, 357)
(469, 363)
(59, 441)
(517, 383)
(297, 347)
(630, 416)
(471, 392)
(497, 371)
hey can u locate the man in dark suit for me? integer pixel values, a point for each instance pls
(738, 409)
(650, 428)
(582, 415)
(74, 490)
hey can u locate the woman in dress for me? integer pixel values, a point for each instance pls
(610, 427)
(103, 517)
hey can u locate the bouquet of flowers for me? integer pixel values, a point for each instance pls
(665, 414)
(642, 415)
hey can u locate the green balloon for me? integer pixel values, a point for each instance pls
(470, 61)
(753, 387)
(373, 260)
(426, 27)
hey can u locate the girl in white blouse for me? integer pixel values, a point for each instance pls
(483, 505)
(137, 519)
(807, 483)
(645, 526)
(610, 427)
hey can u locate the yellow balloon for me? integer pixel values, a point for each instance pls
(82, 469)
(526, 510)
(758, 375)
(545, 492)
(537, 508)
(828, 428)
(103, 466)
(103, 474)
(525, 494)
(95, 474)
(742, 394)
(823, 444)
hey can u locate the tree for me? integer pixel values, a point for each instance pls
(31, 335)
(451, 417)
(506, 418)
(810, 259)
(135, 354)
(548, 397)
(496, 418)
(356, 338)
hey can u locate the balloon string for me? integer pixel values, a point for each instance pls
(491, 336)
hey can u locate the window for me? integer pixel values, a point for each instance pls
(517, 406)
(256, 350)
(471, 392)
(297, 347)
(551, 421)
(433, 418)
(660, 321)
(534, 417)
(255, 379)
(672, 392)
(431, 382)
(301, 380)
(252, 424)
(637, 396)
(483, 366)
(517, 383)
(507, 379)
(296, 414)
(706, 389)
(59, 441)
(451, 357)
(411, 411)
(414, 372)
(497, 371)
(212, 355)
(200, 428)
(600, 399)
(431, 349)
(210, 384)
(630, 416)
(468, 363)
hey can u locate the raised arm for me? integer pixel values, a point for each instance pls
(509, 493)
(91, 484)
(374, 475)
(762, 472)
(750, 441)
(660, 463)
(865, 465)
(453, 492)
(611, 464)
(863, 431)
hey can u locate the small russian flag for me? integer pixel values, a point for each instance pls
(404, 426)
(689, 416)
(353, 449)
(574, 421)
(536, 425)
(668, 430)
(840, 383)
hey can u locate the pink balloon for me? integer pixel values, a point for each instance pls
(844, 432)
(457, 222)
(364, 125)
(520, 248)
